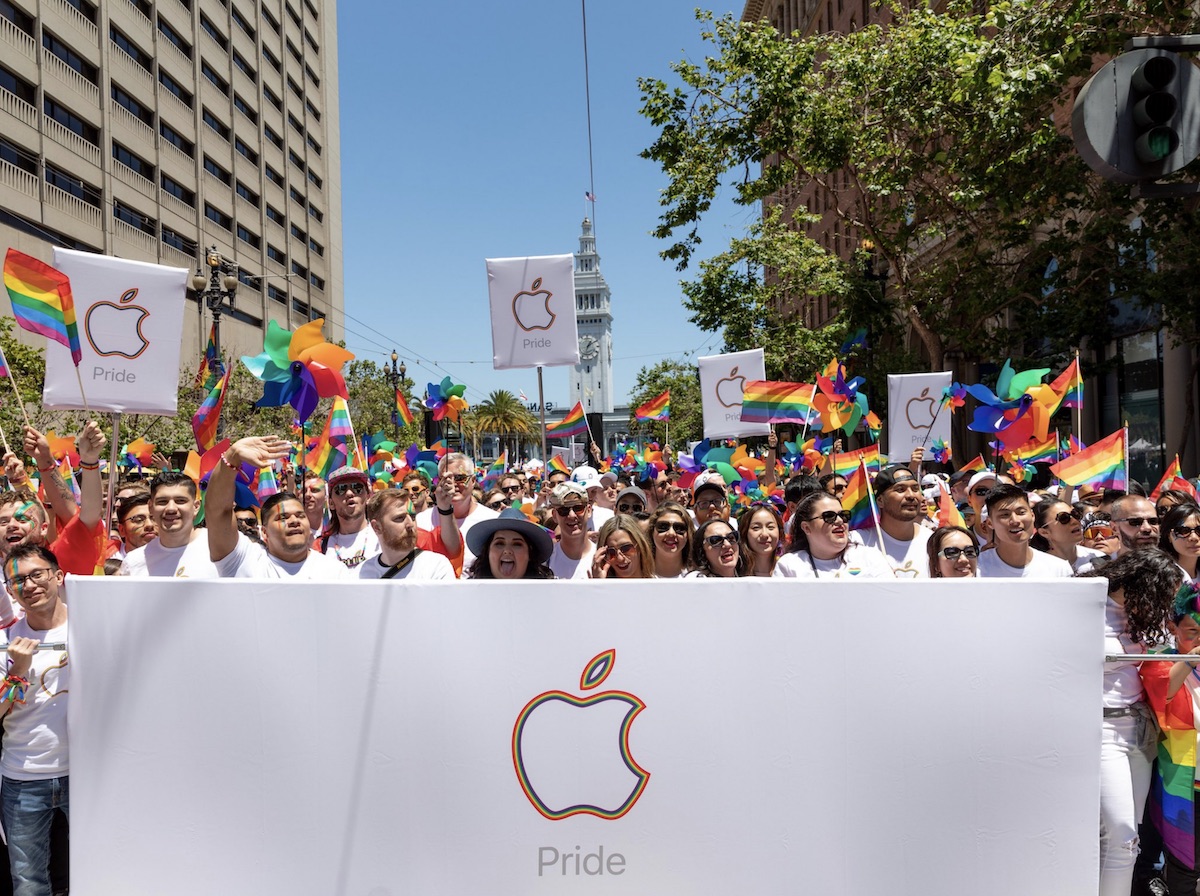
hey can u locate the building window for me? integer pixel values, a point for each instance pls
(18, 86)
(296, 124)
(316, 213)
(298, 233)
(248, 238)
(295, 88)
(133, 218)
(70, 57)
(178, 190)
(316, 248)
(297, 196)
(217, 216)
(275, 215)
(174, 87)
(133, 162)
(272, 137)
(271, 97)
(69, 183)
(246, 193)
(296, 160)
(85, 9)
(125, 101)
(313, 144)
(71, 121)
(17, 16)
(272, 59)
(247, 279)
(318, 282)
(211, 29)
(300, 307)
(292, 14)
(271, 21)
(209, 72)
(173, 36)
(240, 21)
(217, 171)
(312, 110)
(315, 178)
(293, 52)
(273, 176)
(246, 68)
(129, 48)
(311, 41)
(299, 269)
(276, 255)
(177, 140)
(312, 76)
(17, 157)
(312, 10)
(216, 124)
(183, 244)
(244, 148)
(245, 108)
(277, 294)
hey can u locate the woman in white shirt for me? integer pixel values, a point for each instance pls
(821, 545)
(1179, 536)
(1058, 530)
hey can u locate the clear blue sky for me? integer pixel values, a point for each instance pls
(464, 136)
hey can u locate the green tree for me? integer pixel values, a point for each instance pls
(687, 419)
(502, 414)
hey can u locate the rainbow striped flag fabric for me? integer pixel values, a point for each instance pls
(1069, 386)
(4, 372)
(574, 424)
(211, 369)
(977, 465)
(42, 301)
(208, 415)
(1036, 452)
(403, 412)
(768, 401)
(858, 500)
(330, 450)
(848, 461)
(557, 463)
(1101, 464)
(1173, 472)
(501, 463)
(1172, 793)
(948, 513)
(658, 408)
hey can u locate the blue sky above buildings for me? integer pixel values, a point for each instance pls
(464, 136)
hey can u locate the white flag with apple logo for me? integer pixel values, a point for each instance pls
(913, 418)
(723, 379)
(130, 316)
(533, 311)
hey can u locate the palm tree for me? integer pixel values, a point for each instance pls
(503, 414)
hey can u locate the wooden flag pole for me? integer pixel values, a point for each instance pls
(12, 379)
(4, 439)
(113, 480)
(86, 407)
(542, 412)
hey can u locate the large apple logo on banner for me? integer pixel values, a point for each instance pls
(731, 389)
(925, 411)
(531, 308)
(571, 754)
(115, 328)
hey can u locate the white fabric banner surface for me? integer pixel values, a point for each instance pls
(236, 737)
(723, 381)
(533, 311)
(913, 418)
(130, 316)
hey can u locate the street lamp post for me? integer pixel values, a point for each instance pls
(396, 377)
(213, 290)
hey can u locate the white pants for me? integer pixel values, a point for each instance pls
(1126, 755)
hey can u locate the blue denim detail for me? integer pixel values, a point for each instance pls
(28, 809)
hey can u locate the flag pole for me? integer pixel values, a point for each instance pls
(1079, 406)
(542, 411)
(112, 468)
(4, 439)
(862, 465)
(12, 379)
(1125, 448)
(86, 408)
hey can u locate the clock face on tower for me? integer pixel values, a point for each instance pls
(589, 348)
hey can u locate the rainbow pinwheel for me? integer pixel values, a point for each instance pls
(63, 447)
(298, 368)
(941, 451)
(137, 453)
(839, 403)
(954, 397)
(445, 399)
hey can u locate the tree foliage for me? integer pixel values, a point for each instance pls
(687, 419)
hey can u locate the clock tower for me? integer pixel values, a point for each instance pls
(591, 378)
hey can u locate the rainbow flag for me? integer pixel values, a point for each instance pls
(211, 369)
(4, 365)
(857, 499)
(557, 463)
(1173, 473)
(204, 424)
(574, 424)
(848, 461)
(265, 484)
(1035, 452)
(948, 513)
(1101, 464)
(766, 401)
(655, 409)
(1172, 793)
(1069, 386)
(42, 301)
(978, 465)
(330, 450)
(403, 413)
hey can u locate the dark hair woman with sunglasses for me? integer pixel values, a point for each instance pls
(1058, 530)
(953, 553)
(715, 551)
(1179, 536)
(670, 529)
(821, 545)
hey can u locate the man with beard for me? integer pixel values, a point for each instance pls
(455, 498)
(1011, 557)
(394, 521)
(349, 538)
(179, 550)
(316, 502)
(901, 509)
(1135, 521)
(572, 556)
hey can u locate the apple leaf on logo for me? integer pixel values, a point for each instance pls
(128, 296)
(597, 670)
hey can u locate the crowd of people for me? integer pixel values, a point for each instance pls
(594, 522)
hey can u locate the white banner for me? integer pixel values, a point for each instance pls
(533, 311)
(913, 418)
(681, 737)
(130, 316)
(723, 381)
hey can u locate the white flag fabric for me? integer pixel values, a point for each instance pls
(533, 311)
(913, 418)
(130, 316)
(723, 381)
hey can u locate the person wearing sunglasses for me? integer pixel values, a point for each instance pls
(622, 551)
(821, 547)
(572, 556)
(716, 552)
(1058, 531)
(631, 500)
(494, 499)
(417, 486)
(1136, 523)
(952, 553)
(670, 528)
(1181, 539)
(977, 491)
(349, 537)
(454, 496)
(1010, 555)
(760, 534)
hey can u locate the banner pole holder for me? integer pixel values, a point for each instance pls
(542, 411)
(113, 481)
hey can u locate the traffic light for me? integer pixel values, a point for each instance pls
(1138, 118)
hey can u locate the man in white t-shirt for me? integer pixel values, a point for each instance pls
(284, 552)
(34, 758)
(1012, 526)
(901, 509)
(590, 480)
(350, 539)
(394, 522)
(179, 550)
(456, 480)
(572, 555)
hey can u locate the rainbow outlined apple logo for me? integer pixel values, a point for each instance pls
(562, 748)
(114, 319)
(531, 308)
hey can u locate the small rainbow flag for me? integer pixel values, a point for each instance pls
(857, 499)
(1069, 386)
(265, 484)
(403, 413)
(42, 301)
(977, 465)
(1173, 479)
(501, 463)
(204, 424)
(1102, 463)
(557, 463)
(4, 365)
(329, 451)
(1035, 452)
(574, 424)
(655, 409)
(767, 401)
(1172, 793)
(848, 461)
(211, 369)
(948, 513)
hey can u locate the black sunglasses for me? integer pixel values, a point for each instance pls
(664, 528)
(342, 487)
(955, 553)
(1065, 518)
(1138, 521)
(715, 541)
(829, 517)
(1185, 531)
(629, 508)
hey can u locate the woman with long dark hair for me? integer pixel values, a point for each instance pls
(821, 546)
(1179, 536)
(1058, 530)
(509, 547)
(715, 551)
(953, 553)
(760, 534)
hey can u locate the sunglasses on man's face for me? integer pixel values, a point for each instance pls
(460, 478)
(629, 508)
(356, 488)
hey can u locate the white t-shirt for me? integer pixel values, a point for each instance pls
(426, 566)
(1042, 566)
(856, 561)
(251, 561)
(1084, 557)
(909, 559)
(35, 732)
(1122, 684)
(564, 567)
(430, 519)
(191, 561)
(598, 517)
(353, 549)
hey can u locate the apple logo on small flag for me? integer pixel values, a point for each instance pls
(571, 754)
(115, 328)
